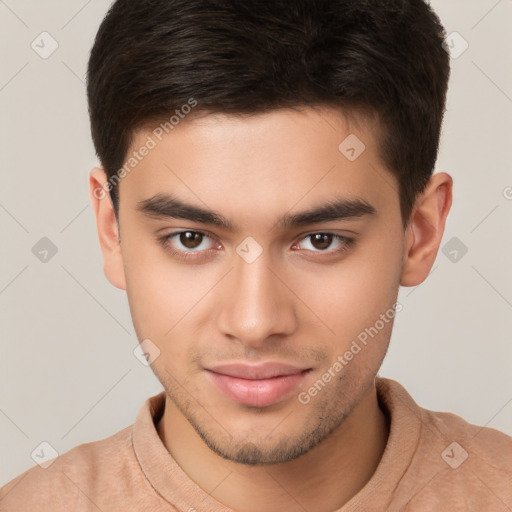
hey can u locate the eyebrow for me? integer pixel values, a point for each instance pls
(163, 206)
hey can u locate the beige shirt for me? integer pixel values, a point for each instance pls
(432, 462)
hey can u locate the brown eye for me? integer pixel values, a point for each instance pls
(190, 245)
(191, 239)
(321, 240)
(325, 243)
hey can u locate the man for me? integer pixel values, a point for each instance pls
(266, 187)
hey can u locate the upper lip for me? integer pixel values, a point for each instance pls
(256, 372)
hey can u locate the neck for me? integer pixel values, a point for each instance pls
(323, 479)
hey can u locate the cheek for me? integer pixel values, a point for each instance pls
(351, 296)
(169, 302)
(159, 292)
(163, 297)
(162, 304)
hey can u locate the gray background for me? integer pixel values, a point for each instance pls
(67, 370)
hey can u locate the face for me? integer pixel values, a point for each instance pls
(263, 262)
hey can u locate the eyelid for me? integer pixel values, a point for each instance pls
(345, 242)
(205, 234)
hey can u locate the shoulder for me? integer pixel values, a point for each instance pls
(61, 484)
(485, 444)
(468, 467)
(464, 466)
(447, 462)
(437, 430)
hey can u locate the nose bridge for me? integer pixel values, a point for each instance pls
(255, 303)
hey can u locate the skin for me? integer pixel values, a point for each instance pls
(299, 302)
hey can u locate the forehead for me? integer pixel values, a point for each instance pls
(261, 163)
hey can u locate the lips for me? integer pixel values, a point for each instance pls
(257, 385)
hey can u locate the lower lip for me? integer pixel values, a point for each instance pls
(257, 393)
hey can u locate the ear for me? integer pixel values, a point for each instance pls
(108, 229)
(425, 229)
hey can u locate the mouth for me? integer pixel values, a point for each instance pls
(259, 385)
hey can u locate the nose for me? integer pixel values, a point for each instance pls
(256, 305)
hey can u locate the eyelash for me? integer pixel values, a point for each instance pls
(165, 241)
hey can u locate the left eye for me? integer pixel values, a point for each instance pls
(319, 242)
(193, 241)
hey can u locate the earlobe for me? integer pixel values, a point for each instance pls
(107, 227)
(425, 230)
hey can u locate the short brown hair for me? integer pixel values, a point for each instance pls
(252, 56)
